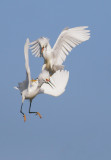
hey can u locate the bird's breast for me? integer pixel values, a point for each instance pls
(31, 93)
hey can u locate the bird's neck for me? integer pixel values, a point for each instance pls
(48, 47)
(38, 88)
(47, 52)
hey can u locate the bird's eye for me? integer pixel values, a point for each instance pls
(47, 80)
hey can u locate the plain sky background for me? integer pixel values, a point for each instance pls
(76, 125)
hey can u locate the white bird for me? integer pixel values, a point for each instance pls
(54, 57)
(54, 85)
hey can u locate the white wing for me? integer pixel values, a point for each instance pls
(26, 54)
(37, 44)
(60, 80)
(22, 85)
(68, 39)
(36, 48)
(25, 84)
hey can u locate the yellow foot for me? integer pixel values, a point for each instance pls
(39, 114)
(24, 117)
(33, 80)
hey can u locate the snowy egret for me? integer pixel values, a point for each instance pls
(54, 57)
(54, 85)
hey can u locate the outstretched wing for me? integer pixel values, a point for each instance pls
(68, 39)
(36, 48)
(26, 54)
(60, 80)
(25, 84)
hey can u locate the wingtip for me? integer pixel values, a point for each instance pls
(16, 88)
(27, 40)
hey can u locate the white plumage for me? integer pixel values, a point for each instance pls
(60, 80)
(54, 85)
(54, 57)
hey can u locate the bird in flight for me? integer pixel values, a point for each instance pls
(53, 85)
(54, 57)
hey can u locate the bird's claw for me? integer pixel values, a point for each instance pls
(24, 117)
(37, 113)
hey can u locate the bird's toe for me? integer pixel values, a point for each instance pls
(24, 117)
(37, 113)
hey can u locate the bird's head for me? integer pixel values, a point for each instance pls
(44, 77)
(44, 42)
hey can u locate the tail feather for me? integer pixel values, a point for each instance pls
(22, 86)
(16, 88)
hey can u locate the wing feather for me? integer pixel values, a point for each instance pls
(60, 80)
(26, 54)
(25, 84)
(35, 48)
(68, 39)
(37, 45)
(22, 85)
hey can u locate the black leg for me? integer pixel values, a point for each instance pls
(21, 109)
(22, 113)
(37, 113)
(30, 107)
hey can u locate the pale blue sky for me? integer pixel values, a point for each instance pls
(76, 125)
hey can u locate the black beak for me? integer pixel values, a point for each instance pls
(51, 84)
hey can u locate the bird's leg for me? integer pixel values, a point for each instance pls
(37, 113)
(23, 113)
